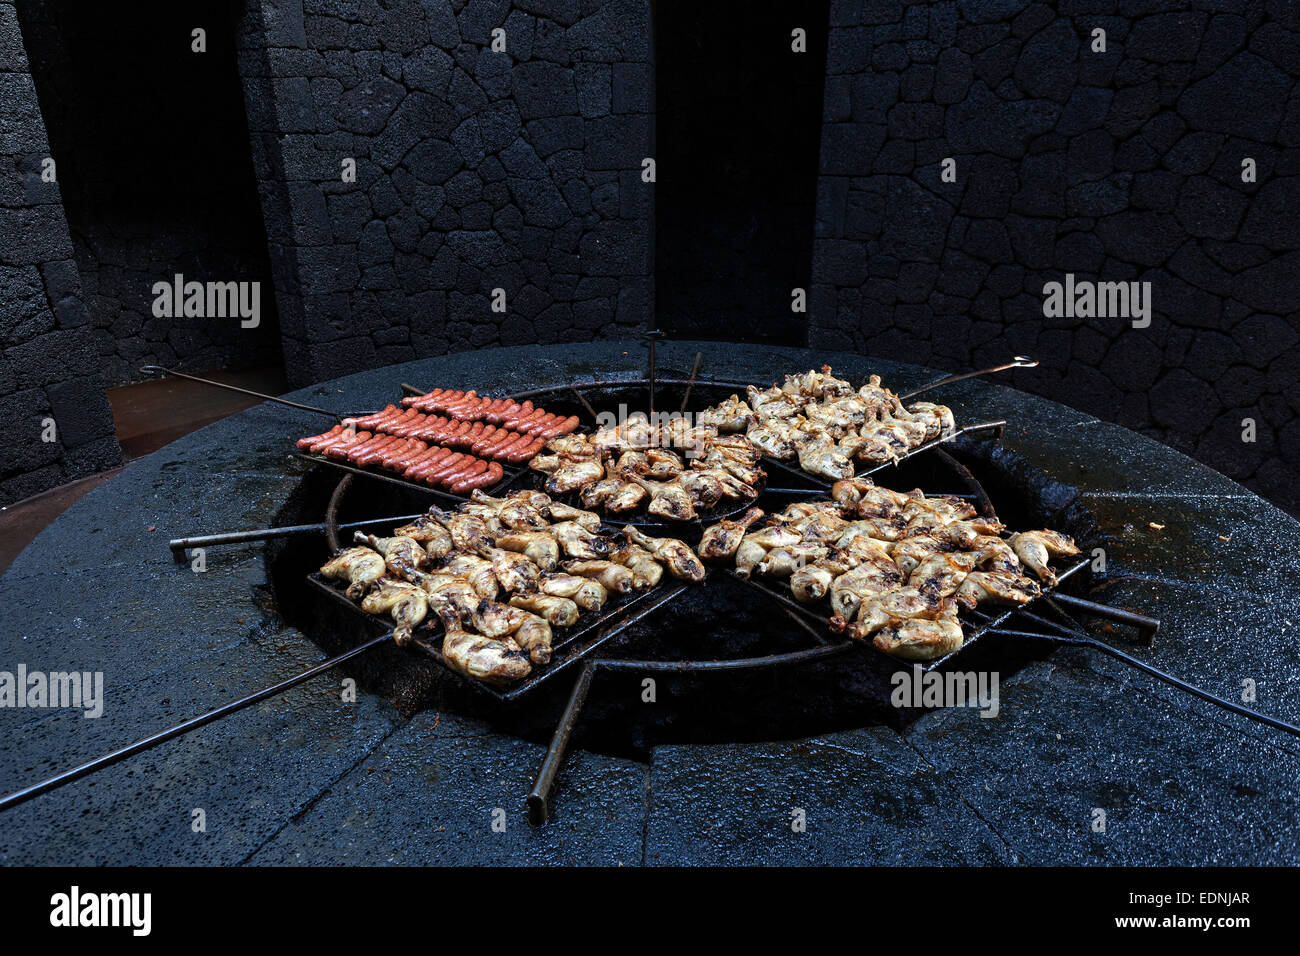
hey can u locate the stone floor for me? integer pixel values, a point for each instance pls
(309, 778)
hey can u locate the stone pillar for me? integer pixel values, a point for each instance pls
(49, 367)
(476, 170)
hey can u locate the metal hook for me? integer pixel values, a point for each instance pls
(1019, 361)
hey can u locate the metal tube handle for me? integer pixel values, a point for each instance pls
(158, 371)
(116, 756)
(1020, 361)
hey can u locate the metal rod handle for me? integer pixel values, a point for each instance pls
(1147, 625)
(266, 534)
(695, 371)
(1020, 361)
(158, 370)
(539, 799)
(1158, 674)
(116, 756)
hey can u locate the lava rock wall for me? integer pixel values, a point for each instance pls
(476, 170)
(1120, 165)
(48, 366)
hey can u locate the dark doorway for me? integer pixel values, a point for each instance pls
(155, 168)
(737, 140)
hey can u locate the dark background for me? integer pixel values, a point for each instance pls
(521, 171)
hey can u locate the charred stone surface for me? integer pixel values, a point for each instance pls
(476, 170)
(312, 778)
(1117, 166)
(48, 348)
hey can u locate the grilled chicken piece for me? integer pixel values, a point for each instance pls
(494, 619)
(782, 562)
(748, 555)
(811, 583)
(577, 542)
(449, 587)
(937, 417)
(773, 440)
(360, 567)
(630, 463)
(921, 640)
(482, 658)
(733, 415)
(645, 569)
(1034, 548)
(562, 512)
(755, 545)
(538, 546)
(597, 493)
(732, 487)
(468, 532)
(534, 636)
(736, 447)
(861, 536)
(515, 572)
(612, 577)
(513, 513)
(915, 548)
(539, 500)
(994, 554)
(663, 464)
(403, 556)
(996, 587)
(477, 571)
(681, 561)
(586, 593)
(668, 500)
(745, 472)
(705, 487)
(429, 532)
(863, 583)
(891, 607)
(573, 474)
(556, 611)
(721, 540)
(822, 458)
(485, 514)
(939, 575)
(628, 498)
(578, 446)
(847, 492)
(546, 464)
(405, 603)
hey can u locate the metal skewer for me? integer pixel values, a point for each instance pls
(157, 371)
(695, 370)
(652, 335)
(1078, 640)
(180, 545)
(1020, 361)
(116, 756)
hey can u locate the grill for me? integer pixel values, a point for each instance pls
(590, 648)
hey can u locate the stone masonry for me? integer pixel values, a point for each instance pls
(1115, 166)
(48, 359)
(476, 170)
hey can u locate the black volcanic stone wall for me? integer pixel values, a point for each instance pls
(476, 170)
(1117, 166)
(48, 359)
(156, 174)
